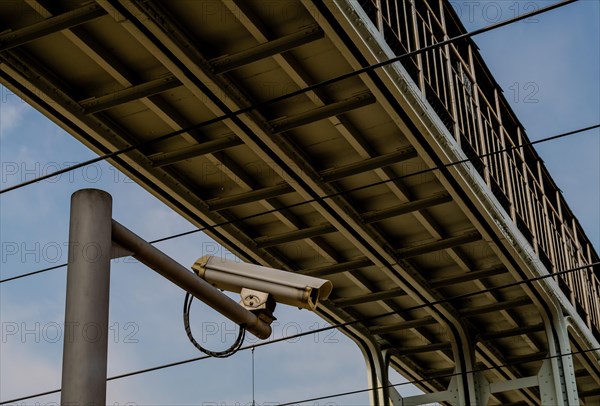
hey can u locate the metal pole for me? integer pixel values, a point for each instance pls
(187, 280)
(86, 314)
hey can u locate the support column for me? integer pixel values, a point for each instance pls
(557, 377)
(86, 314)
(467, 388)
(377, 371)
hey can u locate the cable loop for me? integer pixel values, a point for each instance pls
(187, 305)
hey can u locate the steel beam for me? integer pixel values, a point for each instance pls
(443, 244)
(419, 349)
(229, 62)
(309, 232)
(406, 208)
(441, 372)
(494, 307)
(147, 89)
(208, 147)
(512, 332)
(50, 25)
(405, 325)
(329, 175)
(466, 277)
(589, 393)
(226, 202)
(338, 268)
(323, 112)
(365, 165)
(523, 359)
(369, 297)
(86, 314)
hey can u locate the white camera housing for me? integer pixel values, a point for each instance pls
(285, 287)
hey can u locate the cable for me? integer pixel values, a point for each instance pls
(65, 264)
(322, 198)
(334, 326)
(187, 305)
(286, 96)
(253, 398)
(417, 381)
(301, 91)
(32, 273)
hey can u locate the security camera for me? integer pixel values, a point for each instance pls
(254, 280)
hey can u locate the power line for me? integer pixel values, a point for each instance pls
(331, 327)
(251, 347)
(450, 375)
(322, 198)
(234, 114)
(51, 268)
(363, 70)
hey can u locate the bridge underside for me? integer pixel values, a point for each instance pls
(328, 168)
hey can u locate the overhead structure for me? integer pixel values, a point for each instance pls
(330, 168)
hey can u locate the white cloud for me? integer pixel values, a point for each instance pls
(11, 116)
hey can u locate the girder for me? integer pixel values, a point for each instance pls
(129, 94)
(50, 25)
(208, 147)
(271, 48)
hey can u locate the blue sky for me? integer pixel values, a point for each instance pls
(557, 55)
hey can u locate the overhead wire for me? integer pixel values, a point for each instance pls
(251, 347)
(334, 326)
(283, 97)
(448, 375)
(256, 106)
(329, 196)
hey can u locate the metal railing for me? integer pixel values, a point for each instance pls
(460, 88)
